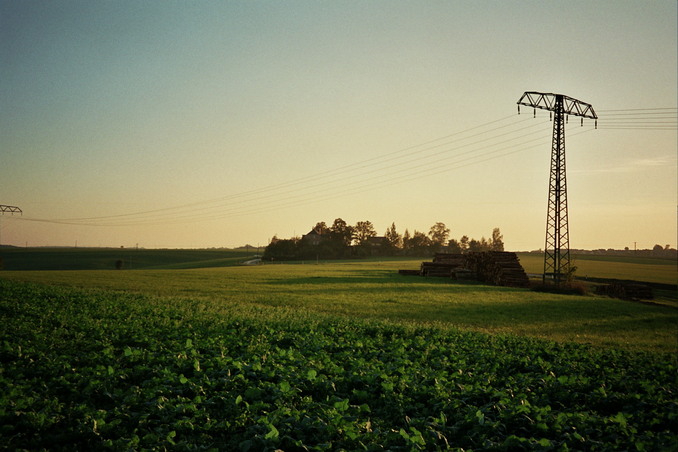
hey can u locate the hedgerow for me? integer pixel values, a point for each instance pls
(105, 370)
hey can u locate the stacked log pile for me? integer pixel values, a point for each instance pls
(456, 260)
(491, 267)
(497, 267)
(443, 264)
(436, 269)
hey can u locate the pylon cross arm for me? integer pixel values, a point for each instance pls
(11, 209)
(547, 101)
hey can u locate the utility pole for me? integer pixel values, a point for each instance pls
(557, 248)
(10, 209)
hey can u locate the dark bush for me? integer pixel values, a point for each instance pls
(568, 288)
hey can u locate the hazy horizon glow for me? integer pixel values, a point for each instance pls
(219, 124)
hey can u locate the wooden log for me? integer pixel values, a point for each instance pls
(449, 258)
(465, 274)
(497, 267)
(437, 269)
(491, 267)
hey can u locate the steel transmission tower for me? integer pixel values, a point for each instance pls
(10, 209)
(557, 247)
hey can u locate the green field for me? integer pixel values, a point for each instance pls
(344, 355)
(374, 290)
(107, 258)
(653, 270)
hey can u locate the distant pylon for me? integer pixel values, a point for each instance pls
(557, 247)
(12, 210)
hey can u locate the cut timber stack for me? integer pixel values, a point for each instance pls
(492, 267)
(445, 265)
(497, 267)
(453, 259)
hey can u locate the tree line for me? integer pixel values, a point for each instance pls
(341, 240)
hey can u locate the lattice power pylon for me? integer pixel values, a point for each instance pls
(10, 209)
(557, 247)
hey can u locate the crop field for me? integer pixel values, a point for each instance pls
(653, 270)
(108, 258)
(374, 291)
(342, 356)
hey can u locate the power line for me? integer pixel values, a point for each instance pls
(664, 118)
(286, 198)
(321, 175)
(488, 141)
(637, 128)
(640, 109)
(337, 176)
(338, 189)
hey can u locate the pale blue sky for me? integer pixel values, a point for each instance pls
(242, 120)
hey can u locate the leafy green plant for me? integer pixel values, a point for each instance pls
(107, 370)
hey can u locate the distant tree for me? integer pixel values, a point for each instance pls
(395, 240)
(484, 244)
(569, 276)
(453, 246)
(657, 248)
(479, 245)
(362, 231)
(321, 228)
(667, 247)
(283, 250)
(420, 244)
(406, 240)
(497, 242)
(464, 243)
(341, 232)
(439, 234)
(474, 246)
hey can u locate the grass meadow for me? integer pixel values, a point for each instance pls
(329, 356)
(374, 290)
(653, 270)
(108, 258)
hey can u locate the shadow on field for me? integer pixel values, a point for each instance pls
(348, 280)
(373, 277)
(388, 295)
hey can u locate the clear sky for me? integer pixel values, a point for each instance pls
(220, 123)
